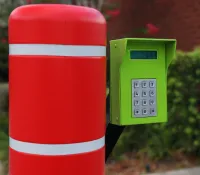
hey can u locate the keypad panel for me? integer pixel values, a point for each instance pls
(144, 97)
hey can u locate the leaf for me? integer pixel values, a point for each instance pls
(188, 131)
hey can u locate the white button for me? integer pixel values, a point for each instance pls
(144, 111)
(151, 84)
(136, 94)
(136, 102)
(152, 111)
(136, 84)
(151, 102)
(144, 102)
(151, 93)
(137, 112)
(144, 84)
(144, 93)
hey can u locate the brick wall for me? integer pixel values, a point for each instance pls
(178, 19)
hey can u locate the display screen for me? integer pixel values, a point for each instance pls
(140, 54)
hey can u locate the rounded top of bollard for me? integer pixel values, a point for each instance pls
(57, 24)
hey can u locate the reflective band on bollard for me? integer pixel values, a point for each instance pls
(56, 149)
(56, 50)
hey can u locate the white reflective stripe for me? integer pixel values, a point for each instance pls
(56, 50)
(56, 149)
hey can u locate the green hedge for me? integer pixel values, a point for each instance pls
(3, 55)
(4, 144)
(182, 131)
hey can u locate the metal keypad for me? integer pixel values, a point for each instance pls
(144, 98)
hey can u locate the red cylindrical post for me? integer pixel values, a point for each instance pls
(57, 89)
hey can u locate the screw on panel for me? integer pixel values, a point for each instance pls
(115, 45)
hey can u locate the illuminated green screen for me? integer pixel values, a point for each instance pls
(140, 54)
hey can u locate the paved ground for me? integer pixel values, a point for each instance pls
(1, 169)
(191, 171)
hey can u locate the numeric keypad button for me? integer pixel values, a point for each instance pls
(144, 111)
(152, 93)
(152, 111)
(151, 102)
(144, 102)
(144, 84)
(136, 84)
(151, 84)
(136, 102)
(136, 112)
(144, 93)
(136, 94)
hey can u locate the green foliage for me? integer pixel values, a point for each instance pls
(6, 102)
(3, 62)
(4, 137)
(181, 132)
(5, 9)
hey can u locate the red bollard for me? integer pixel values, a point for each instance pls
(57, 89)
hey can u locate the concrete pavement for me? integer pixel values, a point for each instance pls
(189, 171)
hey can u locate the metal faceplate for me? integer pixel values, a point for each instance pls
(144, 97)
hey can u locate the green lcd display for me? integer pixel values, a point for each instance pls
(142, 54)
